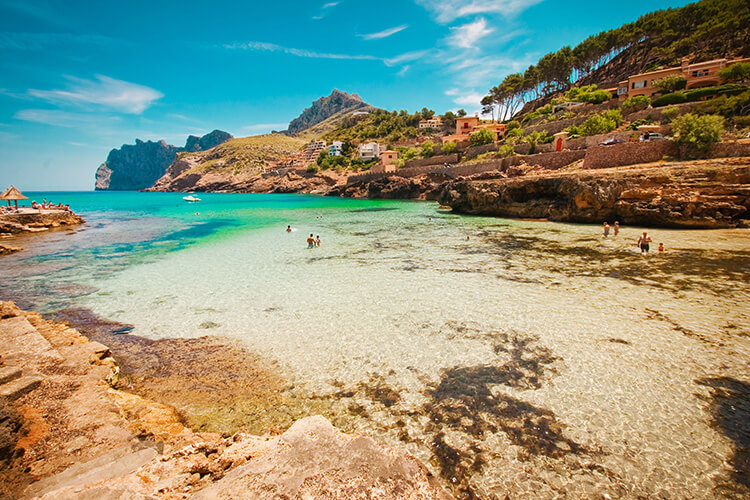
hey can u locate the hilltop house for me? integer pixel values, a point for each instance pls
(369, 151)
(434, 123)
(335, 149)
(702, 74)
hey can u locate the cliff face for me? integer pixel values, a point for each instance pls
(138, 166)
(230, 166)
(324, 108)
(707, 194)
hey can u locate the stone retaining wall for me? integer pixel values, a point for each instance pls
(433, 160)
(475, 151)
(629, 153)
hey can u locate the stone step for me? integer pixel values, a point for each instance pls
(16, 388)
(110, 465)
(20, 340)
(8, 373)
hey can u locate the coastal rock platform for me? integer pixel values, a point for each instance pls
(67, 432)
(29, 220)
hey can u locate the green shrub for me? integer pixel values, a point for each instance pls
(670, 114)
(696, 133)
(735, 73)
(727, 106)
(667, 99)
(636, 103)
(698, 94)
(637, 123)
(427, 149)
(506, 150)
(588, 93)
(513, 124)
(598, 124)
(449, 147)
(670, 83)
(313, 168)
(482, 137)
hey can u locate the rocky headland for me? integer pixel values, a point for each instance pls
(138, 166)
(74, 424)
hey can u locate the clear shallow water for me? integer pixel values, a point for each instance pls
(534, 357)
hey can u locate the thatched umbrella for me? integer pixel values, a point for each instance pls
(12, 193)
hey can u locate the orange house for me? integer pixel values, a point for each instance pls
(466, 125)
(702, 74)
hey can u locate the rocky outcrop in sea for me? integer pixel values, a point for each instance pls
(139, 166)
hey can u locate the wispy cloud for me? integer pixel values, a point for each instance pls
(407, 57)
(447, 11)
(403, 70)
(59, 118)
(467, 35)
(105, 92)
(385, 33)
(324, 8)
(272, 47)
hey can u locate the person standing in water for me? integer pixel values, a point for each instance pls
(643, 243)
(289, 229)
(317, 241)
(606, 229)
(617, 228)
(661, 248)
(310, 241)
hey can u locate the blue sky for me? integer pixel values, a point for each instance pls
(78, 78)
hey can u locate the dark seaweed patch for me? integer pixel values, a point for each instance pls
(729, 404)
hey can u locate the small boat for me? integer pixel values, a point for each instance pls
(191, 198)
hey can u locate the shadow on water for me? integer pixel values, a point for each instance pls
(729, 404)
(675, 271)
(469, 403)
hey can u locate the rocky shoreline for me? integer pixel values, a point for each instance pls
(29, 221)
(69, 430)
(707, 194)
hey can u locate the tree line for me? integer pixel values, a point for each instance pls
(710, 27)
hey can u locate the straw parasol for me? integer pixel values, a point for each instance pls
(12, 193)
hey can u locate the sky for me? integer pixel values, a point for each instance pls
(78, 78)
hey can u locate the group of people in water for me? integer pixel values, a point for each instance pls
(644, 240)
(312, 241)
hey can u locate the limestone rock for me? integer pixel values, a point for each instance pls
(139, 166)
(324, 108)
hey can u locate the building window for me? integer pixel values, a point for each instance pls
(622, 90)
(700, 72)
(640, 85)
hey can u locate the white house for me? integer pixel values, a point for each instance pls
(369, 151)
(335, 149)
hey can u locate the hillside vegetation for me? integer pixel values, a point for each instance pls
(244, 154)
(704, 30)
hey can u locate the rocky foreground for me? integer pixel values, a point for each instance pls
(67, 432)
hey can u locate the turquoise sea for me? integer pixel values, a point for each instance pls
(550, 359)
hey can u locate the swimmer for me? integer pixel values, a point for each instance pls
(289, 229)
(317, 241)
(606, 229)
(310, 241)
(643, 243)
(617, 228)
(661, 248)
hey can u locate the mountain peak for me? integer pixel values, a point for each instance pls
(324, 108)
